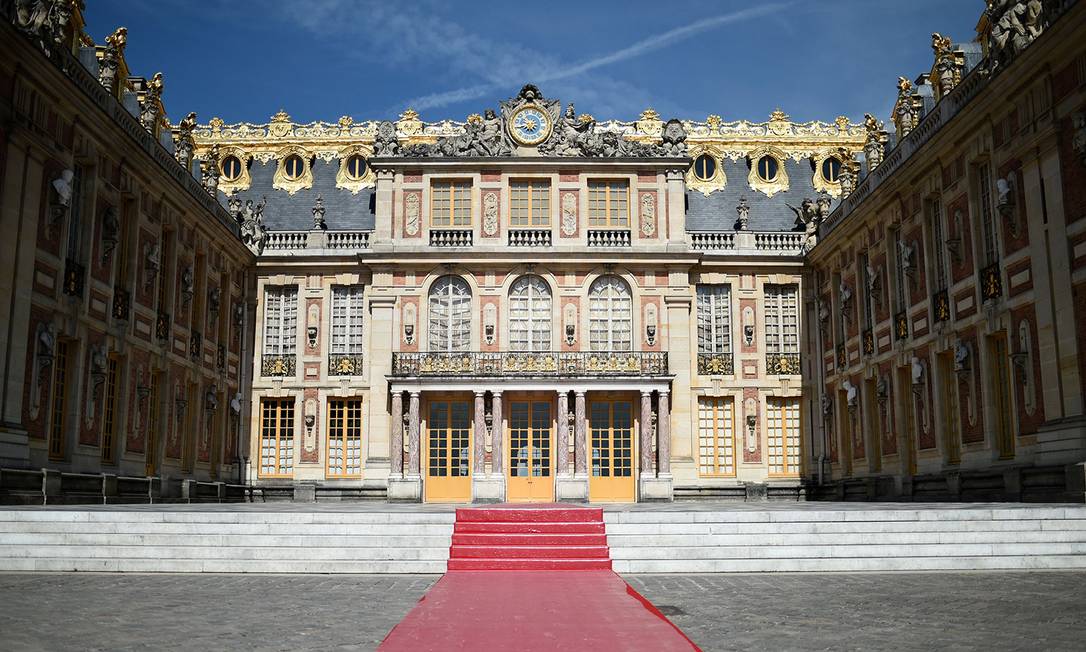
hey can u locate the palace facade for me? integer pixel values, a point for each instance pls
(536, 305)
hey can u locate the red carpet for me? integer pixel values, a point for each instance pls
(533, 579)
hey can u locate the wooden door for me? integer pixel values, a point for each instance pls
(448, 450)
(530, 448)
(611, 432)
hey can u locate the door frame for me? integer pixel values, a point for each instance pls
(507, 408)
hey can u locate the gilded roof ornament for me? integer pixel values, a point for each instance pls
(714, 123)
(346, 121)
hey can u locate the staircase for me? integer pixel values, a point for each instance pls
(218, 540)
(538, 538)
(848, 538)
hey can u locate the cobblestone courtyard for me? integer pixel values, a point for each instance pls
(922, 611)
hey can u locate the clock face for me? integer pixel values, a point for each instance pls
(530, 125)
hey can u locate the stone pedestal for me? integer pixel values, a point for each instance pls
(305, 492)
(656, 489)
(405, 490)
(571, 488)
(488, 489)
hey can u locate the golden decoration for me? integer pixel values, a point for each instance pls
(779, 183)
(716, 182)
(244, 180)
(475, 119)
(409, 123)
(216, 124)
(304, 180)
(345, 180)
(714, 123)
(649, 123)
(346, 121)
(821, 184)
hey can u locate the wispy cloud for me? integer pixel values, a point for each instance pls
(637, 49)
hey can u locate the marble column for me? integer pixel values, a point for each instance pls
(497, 462)
(663, 435)
(480, 434)
(413, 436)
(561, 447)
(396, 445)
(580, 434)
(646, 432)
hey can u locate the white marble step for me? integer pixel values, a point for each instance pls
(251, 516)
(846, 551)
(849, 564)
(281, 529)
(828, 527)
(83, 538)
(850, 538)
(350, 553)
(948, 513)
(219, 566)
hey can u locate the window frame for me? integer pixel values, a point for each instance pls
(284, 334)
(352, 341)
(610, 343)
(110, 397)
(531, 185)
(694, 166)
(456, 187)
(714, 293)
(940, 277)
(829, 160)
(758, 168)
(225, 174)
(534, 333)
(989, 226)
(723, 434)
(775, 342)
(281, 426)
(608, 220)
(352, 175)
(58, 418)
(786, 411)
(348, 404)
(456, 339)
(286, 167)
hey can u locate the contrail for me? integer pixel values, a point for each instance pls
(637, 49)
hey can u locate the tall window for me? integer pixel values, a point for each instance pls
(277, 437)
(899, 271)
(280, 320)
(714, 319)
(164, 261)
(783, 441)
(450, 204)
(530, 315)
(347, 311)
(610, 315)
(781, 319)
(530, 203)
(450, 315)
(987, 220)
(75, 216)
(344, 437)
(716, 436)
(868, 297)
(608, 204)
(936, 244)
(109, 416)
(60, 388)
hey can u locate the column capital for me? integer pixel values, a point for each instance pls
(414, 392)
(479, 393)
(646, 393)
(580, 392)
(496, 392)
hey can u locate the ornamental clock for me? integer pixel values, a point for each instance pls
(530, 125)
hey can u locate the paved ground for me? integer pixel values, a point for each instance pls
(922, 611)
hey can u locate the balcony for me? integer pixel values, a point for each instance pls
(991, 282)
(901, 326)
(529, 237)
(712, 240)
(162, 326)
(344, 364)
(348, 239)
(556, 364)
(782, 364)
(784, 242)
(75, 276)
(940, 306)
(450, 238)
(715, 364)
(609, 238)
(749, 243)
(277, 365)
(286, 240)
(122, 304)
(300, 241)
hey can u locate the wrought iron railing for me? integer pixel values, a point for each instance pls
(122, 304)
(991, 282)
(901, 326)
(782, 364)
(196, 345)
(162, 326)
(609, 238)
(450, 237)
(75, 277)
(842, 356)
(868, 340)
(344, 364)
(529, 237)
(275, 364)
(523, 363)
(715, 364)
(940, 306)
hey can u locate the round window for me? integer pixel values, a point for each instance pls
(356, 166)
(767, 168)
(831, 169)
(704, 167)
(231, 168)
(293, 166)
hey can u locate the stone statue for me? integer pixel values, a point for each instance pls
(1078, 142)
(874, 145)
(214, 300)
(824, 205)
(233, 205)
(187, 281)
(385, 143)
(906, 111)
(845, 293)
(63, 187)
(823, 312)
(490, 213)
(827, 406)
(108, 66)
(151, 111)
(674, 139)
(211, 171)
(872, 280)
(805, 214)
(184, 146)
(849, 175)
(318, 214)
(743, 209)
(961, 356)
(492, 140)
(1014, 25)
(1003, 193)
(45, 21)
(569, 134)
(253, 232)
(808, 216)
(110, 231)
(905, 251)
(851, 394)
(947, 70)
(917, 369)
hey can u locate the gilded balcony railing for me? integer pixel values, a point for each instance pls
(715, 364)
(940, 306)
(277, 364)
(344, 364)
(991, 282)
(536, 363)
(782, 364)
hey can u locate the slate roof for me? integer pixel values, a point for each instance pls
(717, 211)
(343, 211)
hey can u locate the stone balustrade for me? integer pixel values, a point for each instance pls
(450, 237)
(609, 238)
(529, 237)
(527, 364)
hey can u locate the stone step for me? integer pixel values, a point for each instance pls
(828, 527)
(502, 539)
(944, 537)
(846, 551)
(528, 515)
(424, 529)
(235, 540)
(529, 564)
(226, 552)
(850, 564)
(219, 566)
(250, 516)
(941, 513)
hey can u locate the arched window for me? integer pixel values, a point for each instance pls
(610, 315)
(450, 315)
(530, 315)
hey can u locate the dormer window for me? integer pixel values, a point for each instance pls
(231, 168)
(767, 168)
(704, 167)
(293, 167)
(356, 167)
(831, 169)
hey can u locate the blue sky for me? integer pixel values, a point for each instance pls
(243, 60)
